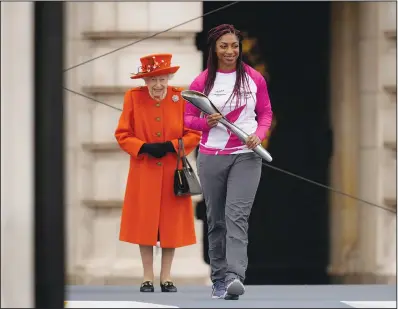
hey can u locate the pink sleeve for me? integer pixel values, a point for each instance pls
(263, 108)
(192, 117)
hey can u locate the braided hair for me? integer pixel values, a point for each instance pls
(212, 63)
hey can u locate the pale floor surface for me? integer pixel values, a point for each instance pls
(326, 296)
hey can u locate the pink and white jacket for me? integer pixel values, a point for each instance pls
(253, 116)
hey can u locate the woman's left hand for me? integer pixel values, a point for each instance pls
(253, 141)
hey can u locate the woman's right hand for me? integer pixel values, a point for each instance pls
(212, 120)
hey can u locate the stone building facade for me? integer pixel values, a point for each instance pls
(364, 123)
(363, 94)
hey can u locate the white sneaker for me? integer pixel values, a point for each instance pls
(234, 289)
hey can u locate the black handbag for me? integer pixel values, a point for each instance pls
(185, 180)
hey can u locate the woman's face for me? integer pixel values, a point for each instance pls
(227, 50)
(157, 86)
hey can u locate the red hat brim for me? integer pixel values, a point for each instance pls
(170, 70)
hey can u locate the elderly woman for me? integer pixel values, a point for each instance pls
(149, 128)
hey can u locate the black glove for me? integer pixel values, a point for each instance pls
(168, 146)
(157, 150)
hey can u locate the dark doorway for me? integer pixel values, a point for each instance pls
(289, 225)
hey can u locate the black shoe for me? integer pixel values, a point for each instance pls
(147, 286)
(168, 286)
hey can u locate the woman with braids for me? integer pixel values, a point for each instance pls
(229, 170)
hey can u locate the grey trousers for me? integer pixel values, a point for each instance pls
(229, 184)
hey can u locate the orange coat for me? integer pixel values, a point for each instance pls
(149, 203)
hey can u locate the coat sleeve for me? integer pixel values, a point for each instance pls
(263, 109)
(124, 132)
(192, 117)
(191, 139)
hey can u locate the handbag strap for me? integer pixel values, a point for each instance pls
(181, 142)
(181, 154)
(178, 153)
(181, 149)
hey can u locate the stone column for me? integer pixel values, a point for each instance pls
(364, 161)
(344, 111)
(17, 149)
(77, 113)
(377, 156)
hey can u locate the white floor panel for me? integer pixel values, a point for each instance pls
(371, 304)
(113, 304)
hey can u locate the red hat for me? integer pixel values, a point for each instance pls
(155, 65)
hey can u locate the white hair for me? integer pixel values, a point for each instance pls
(169, 77)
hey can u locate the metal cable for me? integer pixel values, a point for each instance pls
(267, 165)
(151, 36)
(328, 187)
(90, 98)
